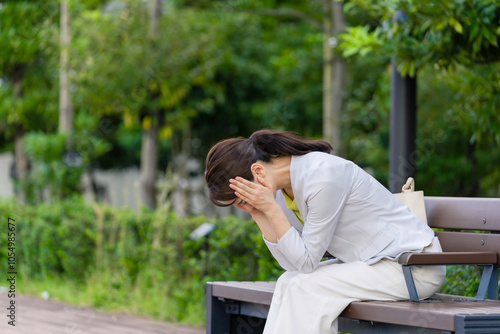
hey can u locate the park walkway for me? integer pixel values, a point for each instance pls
(38, 316)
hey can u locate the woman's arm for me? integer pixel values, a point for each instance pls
(325, 198)
(260, 218)
(265, 227)
(268, 234)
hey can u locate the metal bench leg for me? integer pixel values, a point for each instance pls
(218, 321)
(485, 282)
(493, 286)
(410, 284)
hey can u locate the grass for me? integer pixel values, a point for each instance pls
(153, 302)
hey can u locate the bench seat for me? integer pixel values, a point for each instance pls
(443, 313)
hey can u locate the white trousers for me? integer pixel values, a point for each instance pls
(311, 303)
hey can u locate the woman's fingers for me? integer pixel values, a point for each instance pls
(257, 194)
(239, 195)
(244, 182)
(240, 186)
(242, 194)
(241, 207)
(244, 206)
(245, 190)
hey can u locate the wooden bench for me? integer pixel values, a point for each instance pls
(242, 307)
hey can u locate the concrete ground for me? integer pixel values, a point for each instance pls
(38, 316)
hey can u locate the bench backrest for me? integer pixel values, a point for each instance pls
(454, 215)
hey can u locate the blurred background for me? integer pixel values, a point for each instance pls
(108, 108)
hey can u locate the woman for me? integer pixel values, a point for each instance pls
(307, 202)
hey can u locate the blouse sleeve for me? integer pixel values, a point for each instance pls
(278, 255)
(325, 197)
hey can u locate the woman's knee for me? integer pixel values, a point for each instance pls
(305, 282)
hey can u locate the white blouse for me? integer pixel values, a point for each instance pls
(346, 212)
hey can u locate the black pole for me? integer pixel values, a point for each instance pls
(403, 129)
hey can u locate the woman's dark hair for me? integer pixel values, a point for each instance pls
(234, 157)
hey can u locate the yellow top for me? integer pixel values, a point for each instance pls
(292, 205)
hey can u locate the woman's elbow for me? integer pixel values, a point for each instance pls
(308, 267)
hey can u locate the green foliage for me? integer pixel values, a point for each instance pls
(23, 29)
(454, 147)
(467, 283)
(59, 160)
(28, 99)
(359, 40)
(122, 69)
(47, 233)
(118, 257)
(457, 89)
(426, 32)
(227, 72)
(477, 112)
(457, 134)
(271, 74)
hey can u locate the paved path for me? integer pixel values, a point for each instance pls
(38, 316)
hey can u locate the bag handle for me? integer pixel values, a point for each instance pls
(409, 186)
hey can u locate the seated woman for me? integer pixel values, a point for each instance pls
(307, 202)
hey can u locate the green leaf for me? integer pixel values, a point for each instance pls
(474, 32)
(456, 25)
(492, 38)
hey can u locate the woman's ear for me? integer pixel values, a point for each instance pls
(258, 170)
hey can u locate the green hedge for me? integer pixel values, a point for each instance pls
(122, 258)
(144, 262)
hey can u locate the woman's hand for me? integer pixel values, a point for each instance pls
(259, 217)
(244, 206)
(258, 195)
(266, 211)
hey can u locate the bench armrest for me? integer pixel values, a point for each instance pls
(488, 259)
(448, 258)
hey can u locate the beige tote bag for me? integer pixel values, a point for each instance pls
(414, 200)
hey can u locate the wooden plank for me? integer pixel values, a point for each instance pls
(253, 292)
(435, 315)
(463, 213)
(469, 242)
(448, 258)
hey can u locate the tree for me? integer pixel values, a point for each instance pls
(66, 112)
(334, 68)
(457, 41)
(157, 76)
(149, 150)
(334, 75)
(427, 32)
(447, 35)
(26, 73)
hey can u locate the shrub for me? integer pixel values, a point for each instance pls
(120, 256)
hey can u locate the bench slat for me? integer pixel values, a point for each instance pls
(469, 242)
(448, 258)
(463, 213)
(253, 292)
(435, 315)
